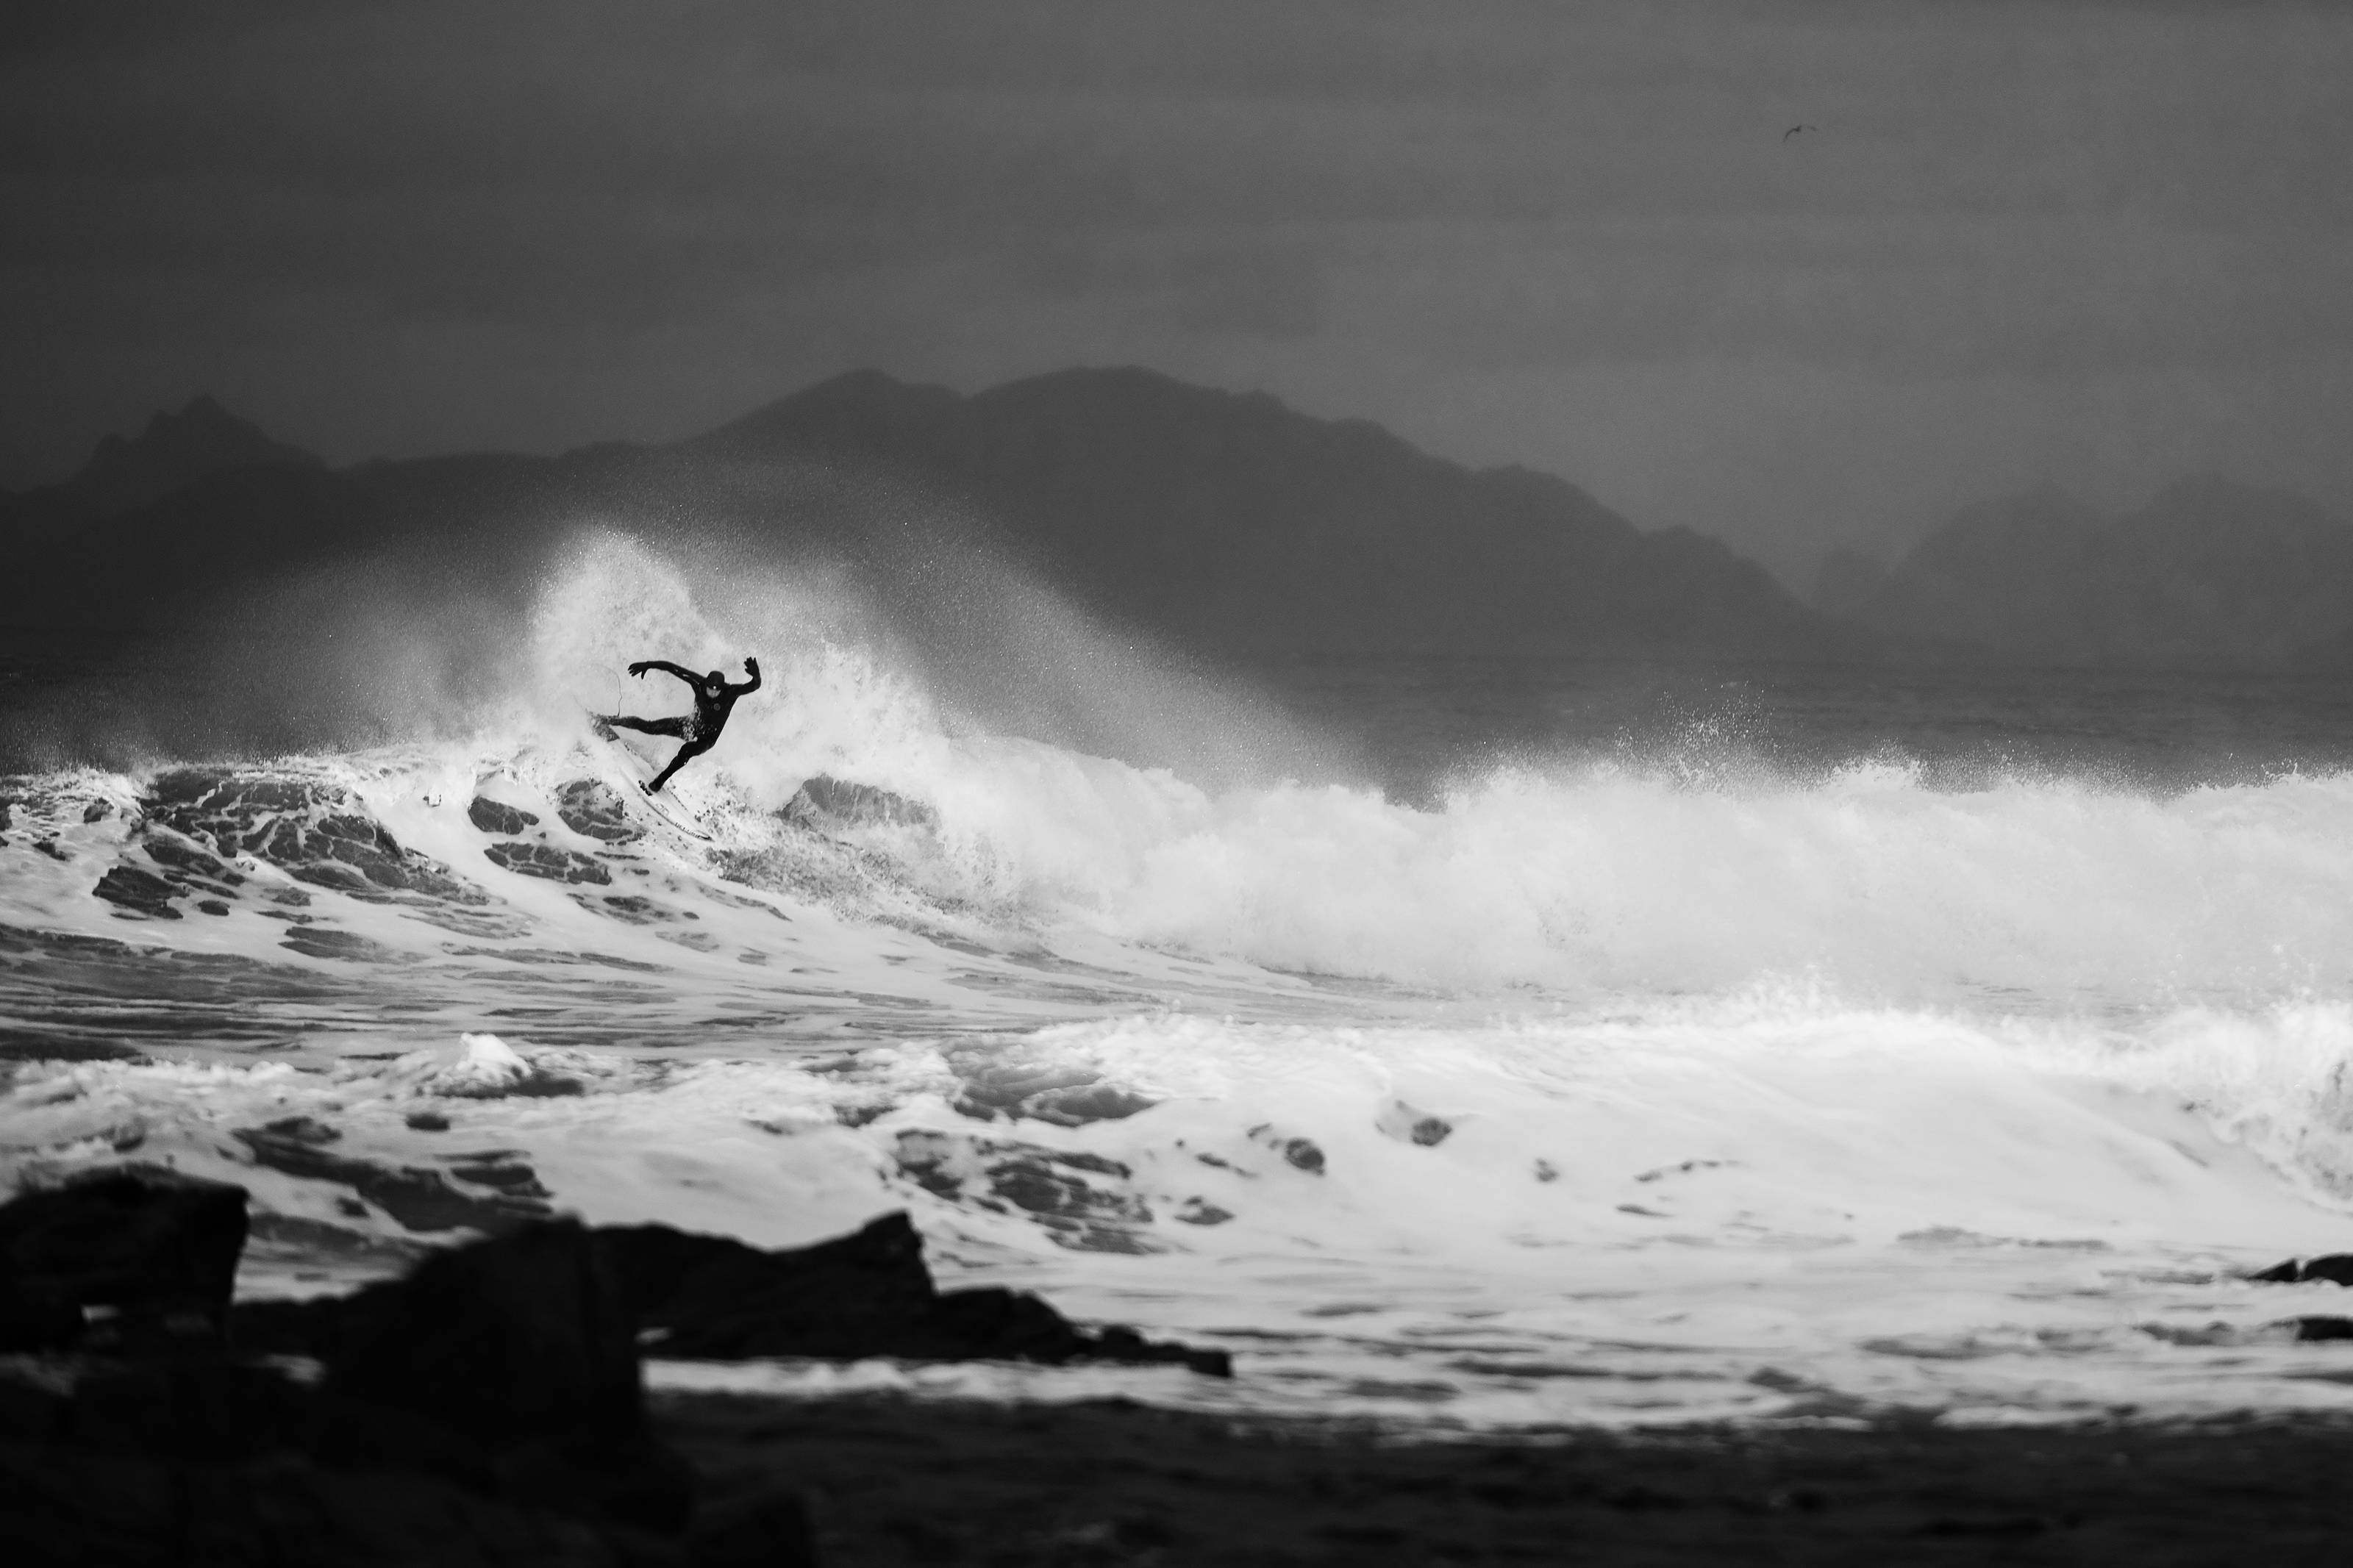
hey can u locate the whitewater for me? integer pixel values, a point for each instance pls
(1622, 1086)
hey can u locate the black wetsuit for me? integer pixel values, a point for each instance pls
(713, 700)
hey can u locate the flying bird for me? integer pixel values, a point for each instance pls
(1795, 128)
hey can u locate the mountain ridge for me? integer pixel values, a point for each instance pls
(1216, 511)
(1225, 524)
(172, 450)
(2210, 572)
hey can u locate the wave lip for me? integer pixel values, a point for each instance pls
(1587, 889)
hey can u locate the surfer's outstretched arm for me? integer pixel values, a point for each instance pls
(753, 666)
(667, 668)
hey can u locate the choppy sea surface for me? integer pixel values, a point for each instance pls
(1459, 1045)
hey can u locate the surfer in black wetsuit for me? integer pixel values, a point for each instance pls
(713, 700)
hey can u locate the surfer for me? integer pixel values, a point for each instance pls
(713, 700)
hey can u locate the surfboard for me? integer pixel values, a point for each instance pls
(656, 807)
(641, 773)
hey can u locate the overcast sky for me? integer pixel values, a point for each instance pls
(2102, 244)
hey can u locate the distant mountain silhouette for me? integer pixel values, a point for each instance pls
(1232, 521)
(1226, 523)
(2211, 572)
(173, 450)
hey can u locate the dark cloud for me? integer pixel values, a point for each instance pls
(400, 227)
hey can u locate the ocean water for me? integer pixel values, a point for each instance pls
(1462, 1045)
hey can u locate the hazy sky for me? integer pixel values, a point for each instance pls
(2102, 244)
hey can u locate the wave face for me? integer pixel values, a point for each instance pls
(1595, 1085)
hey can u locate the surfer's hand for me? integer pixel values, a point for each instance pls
(638, 669)
(752, 667)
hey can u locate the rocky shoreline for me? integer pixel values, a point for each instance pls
(490, 1407)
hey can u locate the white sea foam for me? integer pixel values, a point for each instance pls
(1744, 1209)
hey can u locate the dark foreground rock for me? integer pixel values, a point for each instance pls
(67, 1504)
(865, 1294)
(128, 1259)
(206, 1460)
(2335, 1268)
(523, 1343)
(2311, 1330)
(489, 1408)
(711, 1298)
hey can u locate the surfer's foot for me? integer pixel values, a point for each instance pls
(646, 789)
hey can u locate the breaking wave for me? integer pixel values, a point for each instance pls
(1588, 878)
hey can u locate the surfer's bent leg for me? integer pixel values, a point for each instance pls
(673, 727)
(686, 754)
